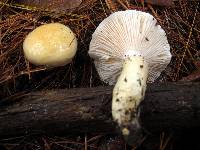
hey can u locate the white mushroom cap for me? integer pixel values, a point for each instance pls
(52, 44)
(129, 32)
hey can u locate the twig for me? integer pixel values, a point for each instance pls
(187, 43)
(111, 5)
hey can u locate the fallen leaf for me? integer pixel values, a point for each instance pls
(50, 4)
(54, 5)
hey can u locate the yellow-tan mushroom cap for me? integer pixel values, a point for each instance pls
(51, 44)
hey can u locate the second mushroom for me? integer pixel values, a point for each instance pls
(129, 49)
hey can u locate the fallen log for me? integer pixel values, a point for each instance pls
(168, 106)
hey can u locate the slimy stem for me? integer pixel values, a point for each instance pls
(129, 91)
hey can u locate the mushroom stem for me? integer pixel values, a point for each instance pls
(128, 92)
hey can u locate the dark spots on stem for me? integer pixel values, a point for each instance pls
(139, 81)
(141, 66)
(146, 39)
(130, 99)
(117, 100)
(142, 92)
(119, 110)
(126, 112)
(125, 80)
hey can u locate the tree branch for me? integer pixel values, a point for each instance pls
(169, 106)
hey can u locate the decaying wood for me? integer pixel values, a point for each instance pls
(169, 106)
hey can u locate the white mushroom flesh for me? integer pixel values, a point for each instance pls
(129, 90)
(129, 49)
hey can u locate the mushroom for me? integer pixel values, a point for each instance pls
(129, 49)
(51, 44)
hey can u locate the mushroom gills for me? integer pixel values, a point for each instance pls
(128, 92)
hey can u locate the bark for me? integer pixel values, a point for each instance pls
(169, 106)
